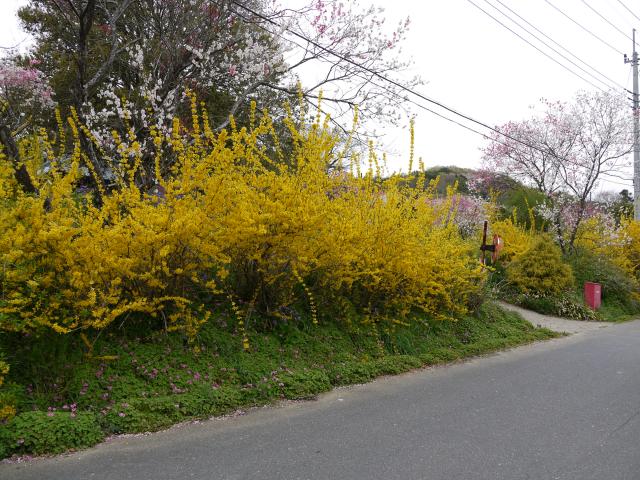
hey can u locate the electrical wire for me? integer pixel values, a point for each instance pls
(554, 42)
(606, 20)
(381, 76)
(584, 28)
(532, 45)
(625, 184)
(387, 89)
(628, 9)
(605, 174)
(392, 82)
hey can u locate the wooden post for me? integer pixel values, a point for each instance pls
(484, 241)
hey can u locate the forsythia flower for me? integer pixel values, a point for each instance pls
(231, 218)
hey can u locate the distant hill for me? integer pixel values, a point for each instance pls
(448, 176)
(512, 195)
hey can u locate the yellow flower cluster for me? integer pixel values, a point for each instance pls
(7, 412)
(620, 245)
(239, 214)
(630, 250)
(4, 369)
(516, 238)
(241, 326)
(307, 291)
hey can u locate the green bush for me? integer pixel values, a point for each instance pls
(49, 432)
(540, 269)
(154, 413)
(12, 394)
(569, 306)
(518, 204)
(545, 305)
(565, 305)
(617, 286)
(151, 383)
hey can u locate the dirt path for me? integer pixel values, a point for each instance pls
(556, 324)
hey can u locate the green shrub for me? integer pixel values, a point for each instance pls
(152, 383)
(543, 304)
(136, 421)
(444, 354)
(518, 204)
(565, 305)
(153, 413)
(49, 432)
(568, 306)
(204, 400)
(617, 286)
(540, 269)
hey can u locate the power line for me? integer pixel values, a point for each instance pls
(550, 47)
(393, 92)
(605, 174)
(379, 75)
(625, 184)
(628, 9)
(606, 20)
(395, 83)
(555, 43)
(616, 176)
(531, 44)
(584, 28)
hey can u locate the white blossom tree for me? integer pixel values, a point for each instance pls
(133, 60)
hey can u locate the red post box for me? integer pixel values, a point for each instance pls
(593, 294)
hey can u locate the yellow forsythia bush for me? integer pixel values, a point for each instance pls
(4, 369)
(517, 239)
(598, 236)
(619, 245)
(233, 220)
(629, 233)
(540, 269)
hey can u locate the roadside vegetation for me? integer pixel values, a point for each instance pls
(150, 382)
(178, 242)
(252, 273)
(534, 273)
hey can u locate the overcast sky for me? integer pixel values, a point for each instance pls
(476, 66)
(480, 68)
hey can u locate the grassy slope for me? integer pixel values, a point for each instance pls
(610, 310)
(156, 382)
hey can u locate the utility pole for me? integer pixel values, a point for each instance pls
(636, 131)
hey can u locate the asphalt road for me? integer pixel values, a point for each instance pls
(564, 409)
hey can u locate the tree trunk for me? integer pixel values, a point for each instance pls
(11, 150)
(574, 231)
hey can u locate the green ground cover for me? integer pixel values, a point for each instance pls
(144, 383)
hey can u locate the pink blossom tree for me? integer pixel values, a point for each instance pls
(565, 153)
(24, 94)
